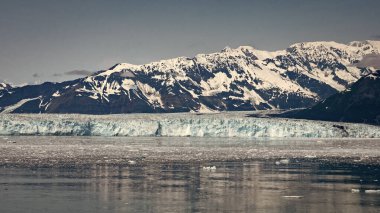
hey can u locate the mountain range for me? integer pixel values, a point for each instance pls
(243, 78)
(360, 103)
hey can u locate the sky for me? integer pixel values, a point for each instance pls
(55, 40)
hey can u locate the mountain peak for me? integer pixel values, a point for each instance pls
(359, 103)
(318, 44)
(123, 66)
(4, 86)
(243, 78)
(226, 49)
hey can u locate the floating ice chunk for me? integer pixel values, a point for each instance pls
(293, 196)
(283, 161)
(355, 190)
(132, 162)
(372, 191)
(209, 168)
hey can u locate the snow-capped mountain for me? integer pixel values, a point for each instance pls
(359, 103)
(4, 87)
(233, 79)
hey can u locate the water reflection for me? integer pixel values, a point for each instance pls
(231, 187)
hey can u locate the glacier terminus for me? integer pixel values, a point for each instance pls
(226, 124)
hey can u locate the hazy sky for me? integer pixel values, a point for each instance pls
(55, 39)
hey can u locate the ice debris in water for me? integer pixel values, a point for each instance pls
(293, 196)
(209, 168)
(368, 191)
(310, 156)
(283, 161)
(372, 191)
(236, 124)
(132, 162)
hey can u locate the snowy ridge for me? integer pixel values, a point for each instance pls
(179, 124)
(4, 86)
(374, 75)
(243, 78)
(13, 107)
(359, 103)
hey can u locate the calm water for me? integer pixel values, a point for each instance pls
(231, 187)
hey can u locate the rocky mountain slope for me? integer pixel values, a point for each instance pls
(359, 103)
(4, 87)
(234, 79)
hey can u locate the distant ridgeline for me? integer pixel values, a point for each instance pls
(233, 79)
(359, 103)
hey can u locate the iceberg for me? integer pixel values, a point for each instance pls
(226, 124)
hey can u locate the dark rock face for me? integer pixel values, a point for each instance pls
(360, 103)
(233, 79)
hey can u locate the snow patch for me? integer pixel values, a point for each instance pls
(10, 109)
(151, 94)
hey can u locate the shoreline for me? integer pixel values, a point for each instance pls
(88, 164)
(31, 151)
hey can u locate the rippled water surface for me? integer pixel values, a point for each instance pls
(257, 186)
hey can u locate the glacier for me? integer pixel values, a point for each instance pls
(226, 124)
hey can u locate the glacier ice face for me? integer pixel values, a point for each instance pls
(235, 124)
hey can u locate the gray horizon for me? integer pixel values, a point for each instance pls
(52, 40)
